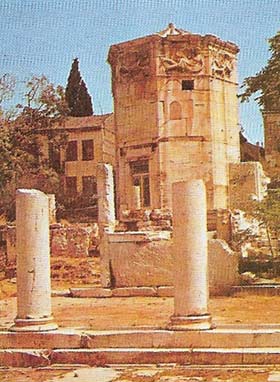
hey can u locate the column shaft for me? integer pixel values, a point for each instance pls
(33, 262)
(191, 292)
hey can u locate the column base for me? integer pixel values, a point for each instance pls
(33, 325)
(199, 322)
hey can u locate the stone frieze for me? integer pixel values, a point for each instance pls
(185, 61)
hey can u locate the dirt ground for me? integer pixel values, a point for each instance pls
(135, 312)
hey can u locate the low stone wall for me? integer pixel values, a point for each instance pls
(141, 259)
(77, 240)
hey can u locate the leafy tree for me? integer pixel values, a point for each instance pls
(77, 95)
(7, 86)
(266, 83)
(267, 213)
(22, 133)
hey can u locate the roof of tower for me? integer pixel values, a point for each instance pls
(171, 30)
(173, 33)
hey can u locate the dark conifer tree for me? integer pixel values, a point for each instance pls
(76, 94)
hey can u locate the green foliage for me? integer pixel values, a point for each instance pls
(77, 96)
(266, 83)
(22, 133)
(268, 210)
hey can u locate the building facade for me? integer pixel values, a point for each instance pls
(91, 140)
(175, 115)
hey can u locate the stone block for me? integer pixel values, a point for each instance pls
(160, 214)
(61, 293)
(141, 259)
(141, 264)
(165, 291)
(220, 356)
(24, 358)
(40, 340)
(135, 292)
(78, 240)
(120, 339)
(58, 241)
(120, 356)
(90, 292)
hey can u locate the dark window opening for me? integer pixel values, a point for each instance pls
(89, 185)
(54, 157)
(139, 167)
(71, 185)
(187, 84)
(140, 178)
(87, 147)
(72, 151)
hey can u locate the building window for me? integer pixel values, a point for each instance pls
(140, 178)
(72, 151)
(87, 147)
(71, 185)
(175, 110)
(187, 84)
(89, 185)
(54, 156)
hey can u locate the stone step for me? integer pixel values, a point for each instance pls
(98, 292)
(228, 336)
(102, 357)
(259, 289)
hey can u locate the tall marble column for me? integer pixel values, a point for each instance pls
(191, 292)
(33, 262)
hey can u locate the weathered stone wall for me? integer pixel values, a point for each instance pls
(75, 240)
(146, 259)
(145, 220)
(161, 220)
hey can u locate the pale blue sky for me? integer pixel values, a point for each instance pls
(43, 36)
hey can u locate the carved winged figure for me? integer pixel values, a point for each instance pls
(183, 63)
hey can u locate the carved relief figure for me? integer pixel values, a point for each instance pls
(222, 65)
(184, 61)
(131, 65)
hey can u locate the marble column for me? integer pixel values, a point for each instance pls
(106, 197)
(33, 262)
(191, 293)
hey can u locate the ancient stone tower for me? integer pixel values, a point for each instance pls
(176, 116)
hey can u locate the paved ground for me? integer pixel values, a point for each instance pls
(135, 312)
(159, 373)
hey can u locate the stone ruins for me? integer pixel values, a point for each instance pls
(165, 222)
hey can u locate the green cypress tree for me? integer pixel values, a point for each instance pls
(76, 94)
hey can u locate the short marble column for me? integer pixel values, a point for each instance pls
(191, 291)
(106, 197)
(33, 262)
